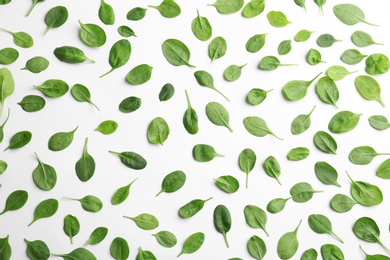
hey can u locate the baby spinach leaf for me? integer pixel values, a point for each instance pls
(276, 205)
(227, 183)
(119, 249)
(21, 39)
(176, 52)
(352, 57)
(121, 194)
(297, 89)
(366, 229)
(145, 221)
(247, 161)
(338, 72)
(284, 47)
(158, 131)
(15, 201)
(3, 166)
(139, 74)
(136, 14)
(192, 207)
(206, 80)
(7, 86)
(131, 159)
(383, 170)
(78, 253)
(288, 244)
(218, 115)
(228, 6)
(302, 192)
(190, 118)
(126, 31)
(71, 226)
(168, 8)
(167, 91)
(129, 104)
(309, 254)
(35, 2)
(82, 94)
(119, 56)
(253, 8)
(53, 88)
(89, 203)
(330, 252)
(350, 14)
(201, 27)
(44, 175)
(19, 140)
(377, 64)
(343, 122)
(320, 4)
(255, 43)
(45, 209)
(4, 2)
(365, 193)
(97, 236)
(325, 142)
(322, 225)
(166, 239)
(277, 19)
(257, 127)
(313, 57)
(363, 39)
(326, 40)
(368, 88)
(36, 64)
(298, 154)
(144, 254)
(61, 140)
(363, 155)
(32, 103)
(271, 167)
(256, 247)
(8, 56)
(217, 48)
(342, 203)
(85, 166)
(222, 221)
(92, 35)
(204, 153)
(327, 91)
(192, 243)
(107, 127)
(3, 125)
(37, 250)
(56, 17)
(70, 54)
(300, 3)
(373, 257)
(256, 96)
(301, 123)
(106, 13)
(255, 217)
(172, 182)
(272, 63)
(326, 173)
(5, 248)
(379, 122)
(302, 35)
(233, 72)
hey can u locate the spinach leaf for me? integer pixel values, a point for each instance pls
(119, 249)
(301, 123)
(144, 254)
(255, 217)
(119, 56)
(35, 2)
(192, 207)
(257, 127)
(61, 140)
(56, 17)
(255, 43)
(37, 250)
(44, 175)
(218, 115)
(121, 194)
(233, 72)
(383, 170)
(256, 247)
(70, 54)
(166, 239)
(366, 229)
(3, 166)
(4, 2)
(126, 31)
(352, 57)
(32, 103)
(288, 244)
(297, 89)
(139, 74)
(302, 192)
(276, 205)
(82, 94)
(136, 14)
(365, 193)
(368, 88)
(53, 88)
(206, 80)
(8, 56)
(158, 131)
(5, 248)
(253, 8)
(298, 154)
(342, 203)
(129, 104)
(92, 35)
(78, 253)
(21, 39)
(271, 167)
(322, 225)
(145, 221)
(45, 209)
(325, 142)
(326, 40)
(176, 52)
(131, 159)
(256, 96)
(15, 201)
(201, 27)
(363, 39)
(331, 252)
(85, 166)
(19, 140)
(373, 257)
(247, 161)
(338, 72)
(36, 64)
(277, 19)
(204, 153)
(320, 4)
(327, 91)
(106, 13)
(309, 254)
(167, 91)
(379, 122)
(89, 203)
(222, 221)
(107, 127)
(300, 3)
(192, 243)
(7, 86)
(173, 182)
(97, 236)
(377, 64)
(190, 118)
(168, 8)
(343, 122)
(227, 183)
(350, 14)
(272, 63)
(313, 57)
(363, 155)
(217, 48)
(326, 173)
(302, 35)
(228, 6)
(284, 47)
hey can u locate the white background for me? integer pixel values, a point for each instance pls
(64, 114)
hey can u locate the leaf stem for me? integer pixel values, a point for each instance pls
(91, 60)
(32, 7)
(311, 111)
(247, 180)
(221, 93)
(387, 249)
(288, 65)
(47, 29)
(188, 99)
(337, 237)
(113, 152)
(225, 238)
(108, 72)
(161, 191)
(277, 179)
(208, 199)
(311, 81)
(350, 177)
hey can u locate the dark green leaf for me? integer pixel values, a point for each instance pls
(45, 209)
(15, 201)
(56, 17)
(32, 103)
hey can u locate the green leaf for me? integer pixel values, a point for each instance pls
(19, 140)
(45, 209)
(92, 35)
(298, 154)
(82, 94)
(166, 238)
(97, 236)
(145, 255)
(172, 182)
(167, 91)
(363, 155)
(217, 48)
(35, 2)
(227, 183)
(327, 91)
(256, 96)
(15, 201)
(365, 193)
(363, 39)
(119, 249)
(158, 131)
(255, 43)
(288, 244)
(192, 207)
(368, 88)
(139, 74)
(325, 142)
(253, 8)
(192, 244)
(201, 27)
(326, 173)
(271, 167)
(145, 221)
(352, 57)
(7, 86)
(228, 6)
(205, 79)
(61, 140)
(218, 115)
(119, 55)
(53, 88)
(37, 250)
(342, 203)
(8, 56)
(3, 166)
(89, 203)
(277, 19)
(44, 175)
(32, 103)
(70, 54)
(85, 166)
(257, 127)
(121, 194)
(349, 14)
(309, 254)
(377, 64)
(313, 57)
(255, 217)
(322, 225)
(320, 4)
(302, 35)
(338, 72)
(271, 63)
(247, 161)
(302, 192)
(107, 127)
(366, 229)
(296, 89)
(176, 52)
(331, 252)
(190, 118)
(71, 226)
(106, 13)
(78, 253)
(233, 72)
(168, 8)
(222, 221)
(136, 14)
(56, 17)
(21, 39)
(204, 153)
(284, 47)
(326, 40)
(301, 123)
(256, 247)
(276, 205)
(379, 122)
(126, 31)
(5, 248)
(343, 122)
(130, 104)
(131, 159)
(383, 170)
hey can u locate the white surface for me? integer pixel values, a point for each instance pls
(64, 114)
